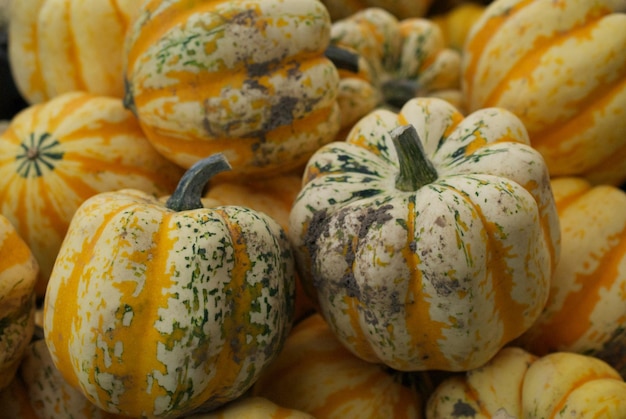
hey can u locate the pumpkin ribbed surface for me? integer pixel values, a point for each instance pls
(245, 78)
(586, 309)
(56, 154)
(401, 59)
(518, 384)
(155, 312)
(59, 46)
(315, 373)
(559, 66)
(438, 276)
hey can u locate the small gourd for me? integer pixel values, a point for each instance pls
(401, 59)
(158, 309)
(427, 238)
(518, 384)
(248, 79)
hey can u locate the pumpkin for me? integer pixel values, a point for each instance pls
(18, 274)
(39, 391)
(586, 310)
(560, 67)
(428, 238)
(518, 384)
(402, 9)
(59, 46)
(403, 59)
(456, 23)
(56, 154)
(315, 373)
(155, 310)
(252, 408)
(248, 79)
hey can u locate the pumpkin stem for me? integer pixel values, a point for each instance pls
(342, 58)
(397, 92)
(415, 169)
(188, 192)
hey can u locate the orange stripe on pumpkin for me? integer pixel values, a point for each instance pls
(426, 333)
(481, 38)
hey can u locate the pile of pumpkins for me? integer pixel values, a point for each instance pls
(314, 208)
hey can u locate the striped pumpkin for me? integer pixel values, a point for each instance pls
(586, 309)
(403, 58)
(428, 238)
(560, 67)
(518, 384)
(315, 373)
(18, 274)
(247, 78)
(154, 310)
(59, 46)
(56, 154)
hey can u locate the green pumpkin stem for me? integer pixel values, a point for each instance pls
(342, 58)
(415, 169)
(189, 191)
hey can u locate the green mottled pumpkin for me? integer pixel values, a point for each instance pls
(429, 239)
(157, 309)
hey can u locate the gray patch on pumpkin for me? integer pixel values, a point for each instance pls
(463, 410)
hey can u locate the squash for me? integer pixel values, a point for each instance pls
(429, 239)
(315, 373)
(59, 46)
(340, 9)
(249, 79)
(518, 384)
(252, 408)
(403, 59)
(18, 274)
(56, 154)
(39, 391)
(155, 310)
(586, 308)
(560, 67)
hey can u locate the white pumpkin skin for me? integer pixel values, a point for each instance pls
(153, 312)
(439, 278)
